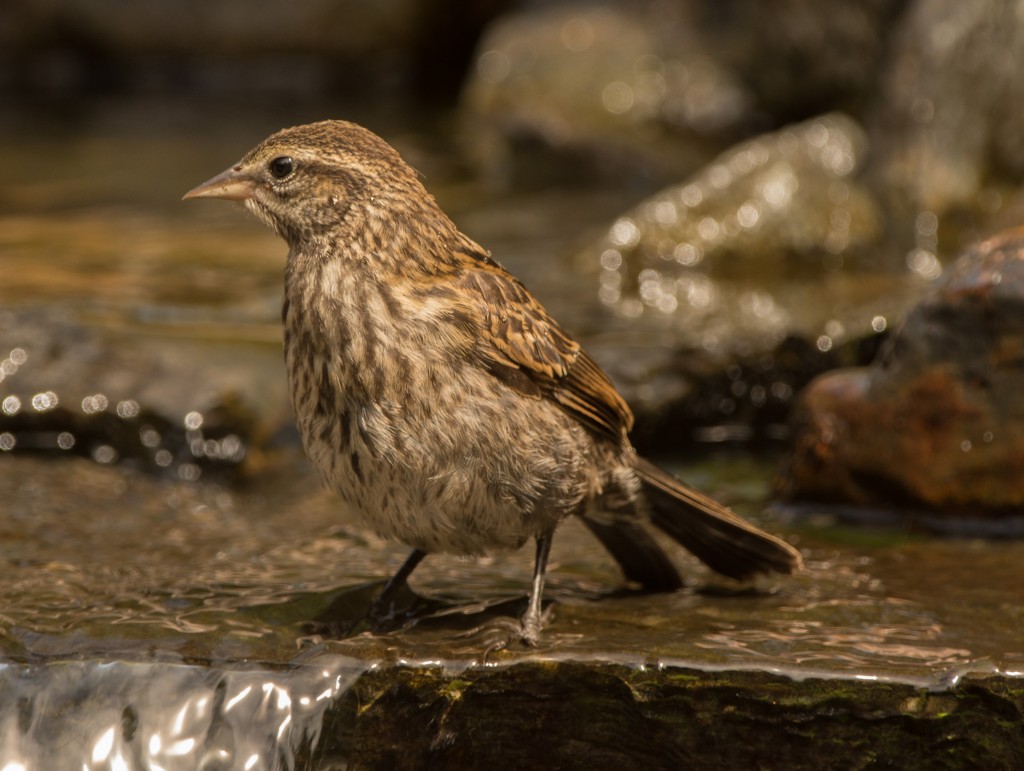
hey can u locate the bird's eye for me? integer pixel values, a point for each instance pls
(281, 167)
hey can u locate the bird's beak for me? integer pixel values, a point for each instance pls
(231, 185)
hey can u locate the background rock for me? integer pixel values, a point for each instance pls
(729, 291)
(727, 255)
(630, 85)
(947, 117)
(65, 390)
(937, 420)
(654, 88)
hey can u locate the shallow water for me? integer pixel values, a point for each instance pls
(92, 219)
(187, 616)
(185, 609)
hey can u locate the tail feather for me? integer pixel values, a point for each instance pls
(720, 539)
(641, 558)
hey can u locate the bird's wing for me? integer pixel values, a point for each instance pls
(527, 349)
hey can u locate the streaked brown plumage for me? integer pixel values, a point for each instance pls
(437, 396)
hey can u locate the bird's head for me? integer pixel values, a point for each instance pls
(329, 178)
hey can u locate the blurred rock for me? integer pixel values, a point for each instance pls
(631, 85)
(948, 120)
(801, 57)
(731, 290)
(64, 390)
(937, 420)
(659, 87)
(686, 398)
(759, 243)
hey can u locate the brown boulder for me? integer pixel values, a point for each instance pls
(937, 420)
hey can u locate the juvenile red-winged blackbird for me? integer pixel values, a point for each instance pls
(437, 396)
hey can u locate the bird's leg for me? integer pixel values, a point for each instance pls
(380, 610)
(532, 618)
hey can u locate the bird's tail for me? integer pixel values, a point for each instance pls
(720, 539)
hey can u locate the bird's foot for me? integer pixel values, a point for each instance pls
(533, 622)
(504, 632)
(529, 632)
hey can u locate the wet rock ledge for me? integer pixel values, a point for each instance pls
(341, 713)
(598, 716)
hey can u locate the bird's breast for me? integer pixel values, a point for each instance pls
(365, 359)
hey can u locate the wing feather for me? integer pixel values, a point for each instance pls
(521, 339)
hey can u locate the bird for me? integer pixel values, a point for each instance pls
(438, 398)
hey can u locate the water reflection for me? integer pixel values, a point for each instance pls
(860, 648)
